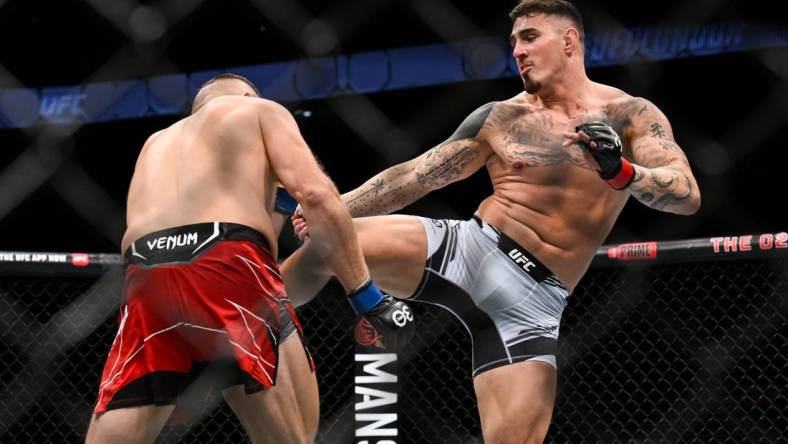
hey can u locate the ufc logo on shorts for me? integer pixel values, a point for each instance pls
(520, 259)
(402, 316)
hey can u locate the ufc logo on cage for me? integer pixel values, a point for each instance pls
(402, 316)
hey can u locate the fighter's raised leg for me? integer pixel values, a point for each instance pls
(394, 247)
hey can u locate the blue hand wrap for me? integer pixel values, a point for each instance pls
(365, 298)
(284, 203)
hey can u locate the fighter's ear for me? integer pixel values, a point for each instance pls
(571, 40)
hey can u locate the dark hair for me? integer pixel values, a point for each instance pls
(229, 75)
(560, 8)
(224, 75)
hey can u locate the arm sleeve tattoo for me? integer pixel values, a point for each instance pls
(456, 158)
(663, 179)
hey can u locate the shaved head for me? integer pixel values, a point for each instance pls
(225, 84)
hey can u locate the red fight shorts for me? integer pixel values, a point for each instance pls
(196, 296)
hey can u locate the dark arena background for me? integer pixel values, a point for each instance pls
(677, 334)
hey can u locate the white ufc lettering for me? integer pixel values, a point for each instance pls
(521, 259)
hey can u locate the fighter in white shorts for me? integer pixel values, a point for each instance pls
(563, 157)
(509, 302)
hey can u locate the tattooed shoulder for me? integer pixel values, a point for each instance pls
(620, 112)
(470, 127)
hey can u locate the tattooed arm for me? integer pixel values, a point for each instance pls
(458, 157)
(663, 179)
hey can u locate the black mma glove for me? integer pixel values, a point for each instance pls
(391, 317)
(614, 169)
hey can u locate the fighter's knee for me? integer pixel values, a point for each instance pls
(512, 432)
(307, 434)
(310, 433)
(311, 422)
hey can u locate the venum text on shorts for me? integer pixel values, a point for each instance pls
(170, 242)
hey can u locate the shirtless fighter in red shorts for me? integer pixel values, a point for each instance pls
(202, 284)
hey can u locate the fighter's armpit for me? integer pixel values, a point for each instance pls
(470, 127)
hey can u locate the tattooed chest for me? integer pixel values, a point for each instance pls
(536, 139)
(536, 146)
(534, 150)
